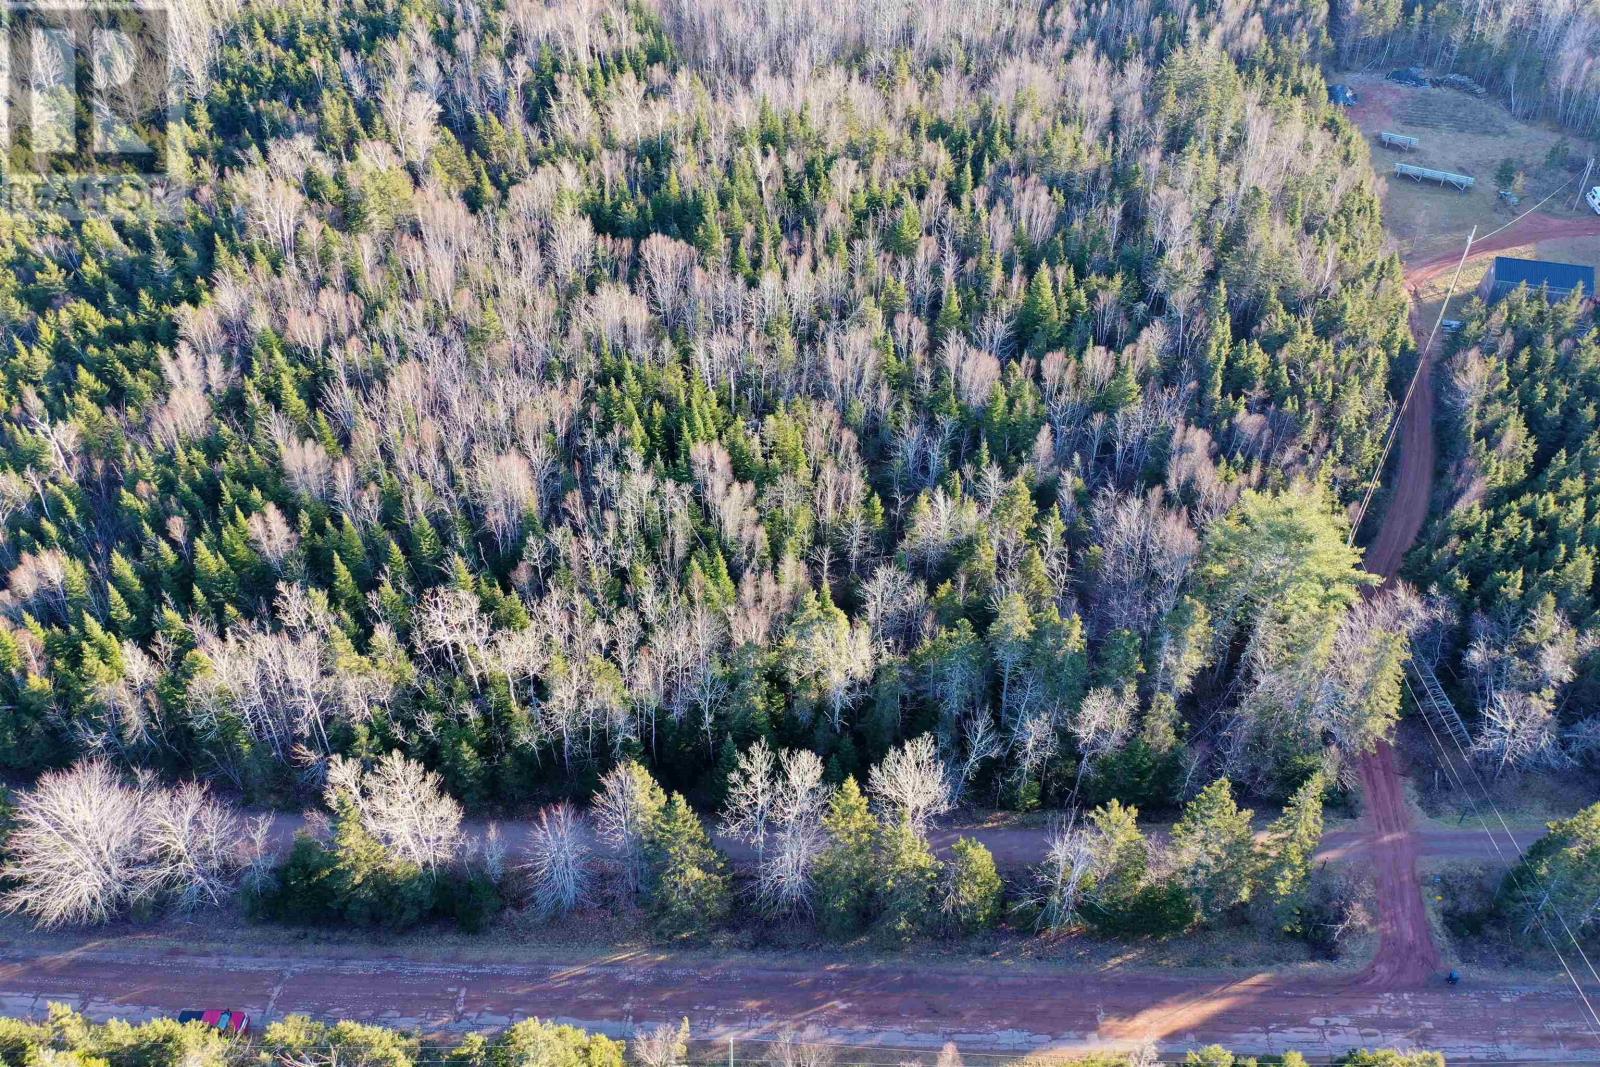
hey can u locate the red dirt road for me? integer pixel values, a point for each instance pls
(1526, 231)
(977, 1006)
(1407, 956)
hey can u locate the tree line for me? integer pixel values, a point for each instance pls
(389, 851)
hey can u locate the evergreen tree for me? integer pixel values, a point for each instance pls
(846, 872)
(689, 891)
(906, 232)
(1039, 319)
(1288, 850)
(1558, 874)
(972, 888)
(1213, 850)
(907, 881)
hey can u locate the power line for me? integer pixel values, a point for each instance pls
(1423, 365)
(1422, 358)
(1487, 799)
(1411, 387)
(1511, 865)
(1560, 188)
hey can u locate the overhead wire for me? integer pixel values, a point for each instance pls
(1405, 400)
(1467, 761)
(1422, 357)
(1423, 364)
(1511, 866)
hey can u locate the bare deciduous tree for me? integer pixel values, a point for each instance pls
(748, 808)
(776, 805)
(194, 842)
(799, 1049)
(799, 800)
(1063, 878)
(663, 1045)
(1102, 726)
(624, 812)
(79, 848)
(558, 861)
(911, 784)
(87, 845)
(402, 804)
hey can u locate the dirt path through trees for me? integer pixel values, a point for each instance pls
(1018, 848)
(1407, 956)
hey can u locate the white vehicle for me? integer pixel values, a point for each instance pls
(1594, 199)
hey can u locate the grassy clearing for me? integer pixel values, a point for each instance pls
(1456, 133)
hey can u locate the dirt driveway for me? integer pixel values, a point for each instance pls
(1407, 956)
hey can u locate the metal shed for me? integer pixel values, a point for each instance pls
(1557, 279)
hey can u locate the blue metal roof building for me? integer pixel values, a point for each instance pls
(1558, 279)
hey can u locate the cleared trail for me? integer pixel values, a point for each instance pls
(1407, 956)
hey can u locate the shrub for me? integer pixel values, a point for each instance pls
(532, 1043)
(472, 899)
(355, 882)
(1155, 909)
(298, 1039)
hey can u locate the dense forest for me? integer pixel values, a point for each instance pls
(526, 388)
(815, 419)
(1512, 554)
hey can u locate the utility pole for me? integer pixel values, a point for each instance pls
(1583, 183)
